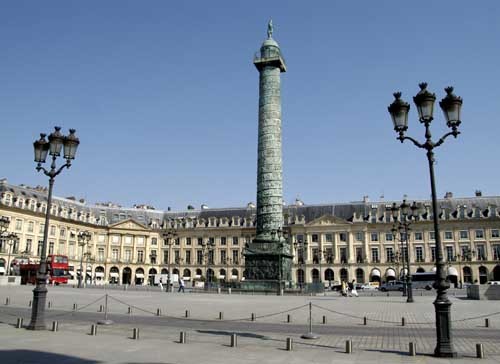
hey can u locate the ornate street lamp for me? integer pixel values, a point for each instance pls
(466, 256)
(206, 247)
(83, 240)
(56, 142)
(10, 239)
(169, 237)
(301, 246)
(451, 106)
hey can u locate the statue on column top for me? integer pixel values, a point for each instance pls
(270, 29)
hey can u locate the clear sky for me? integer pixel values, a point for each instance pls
(163, 95)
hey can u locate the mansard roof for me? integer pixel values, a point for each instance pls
(469, 207)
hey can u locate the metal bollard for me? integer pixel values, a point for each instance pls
(187, 313)
(288, 318)
(93, 330)
(387, 294)
(19, 323)
(324, 320)
(135, 333)
(55, 326)
(364, 321)
(158, 312)
(402, 321)
(289, 344)
(7, 301)
(182, 337)
(29, 303)
(221, 315)
(129, 310)
(412, 349)
(348, 347)
(218, 290)
(253, 317)
(49, 304)
(479, 351)
(486, 322)
(421, 293)
(234, 340)
(229, 290)
(75, 306)
(101, 308)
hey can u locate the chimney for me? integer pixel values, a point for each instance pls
(478, 193)
(448, 195)
(366, 199)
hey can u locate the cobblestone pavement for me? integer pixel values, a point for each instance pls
(382, 339)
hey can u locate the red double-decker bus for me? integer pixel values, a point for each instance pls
(57, 270)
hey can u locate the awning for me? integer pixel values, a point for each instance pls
(390, 273)
(197, 276)
(222, 276)
(452, 271)
(375, 273)
(234, 277)
(139, 275)
(434, 269)
(114, 275)
(89, 274)
(2, 270)
(99, 274)
(72, 274)
(405, 271)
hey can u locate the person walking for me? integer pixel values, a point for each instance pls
(354, 291)
(181, 285)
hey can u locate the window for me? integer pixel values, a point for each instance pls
(464, 234)
(448, 235)
(343, 237)
(52, 230)
(177, 256)
(19, 224)
(188, 256)
(329, 255)
(128, 255)
(235, 240)
(100, 254)
(140, 240)
(329, 238)
(115, 239)
(188, 241)
(343, 255)
(419, 254)
(315, 238)
(481, 252)
(29, 242)
(235, 257)
(418, 236)
(315, 255)
(200, 241)
(375, 258)
(140, 256)
(223, 240)
(41, 228)
(479, 234)
(496, 251)
(432, 235)
(114, 254)
(199, 257)
(152, 257)
(31, 226)
(389, 252)
(154, 241)
(433, 253)
(388, 236)
(165, 256)
(177, 241)
(449, 253)
(404, 252)
(374, 236)
(359, 255)
(495, 233)
(71, 250)
(222, 257)
(62, 233)
(39, 249)
(51, 247)
(128, 240)
(61, 248)
(359, 236)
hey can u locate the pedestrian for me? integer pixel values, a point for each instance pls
(354, 291)
(181, 285)
(161, 286)
(343, 289)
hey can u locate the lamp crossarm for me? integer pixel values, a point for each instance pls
(443, 138)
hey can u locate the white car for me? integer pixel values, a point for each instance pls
(368, 287)
(494, 283)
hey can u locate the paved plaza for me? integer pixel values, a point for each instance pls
(382, 339)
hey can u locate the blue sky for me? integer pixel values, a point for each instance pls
(164, 95)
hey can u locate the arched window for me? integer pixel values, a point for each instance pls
(360, 275)
(329, 276)
(467, 275)
(315, 275)
(300, 277)
(344, 275)
(483, 275)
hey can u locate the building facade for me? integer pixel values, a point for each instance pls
(330, 242)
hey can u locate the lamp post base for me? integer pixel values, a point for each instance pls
(444, 346)
(38, 308)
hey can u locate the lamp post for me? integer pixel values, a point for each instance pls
(301, 246)
(83, 240)
(169, 237)
(10, 239)
(4, 225)
(207, 246)
(56, 142)
(407, 214)
(451, 106)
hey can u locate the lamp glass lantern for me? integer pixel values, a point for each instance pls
(56, 141)
(424, 101)
(399, 113)
(41, 149)
(451, 106)
(71, 143)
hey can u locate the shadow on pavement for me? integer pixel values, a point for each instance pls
(40, 357)
(229, 333)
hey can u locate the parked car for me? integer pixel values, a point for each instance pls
(392, 286)
(369, 287)
(494, 283)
